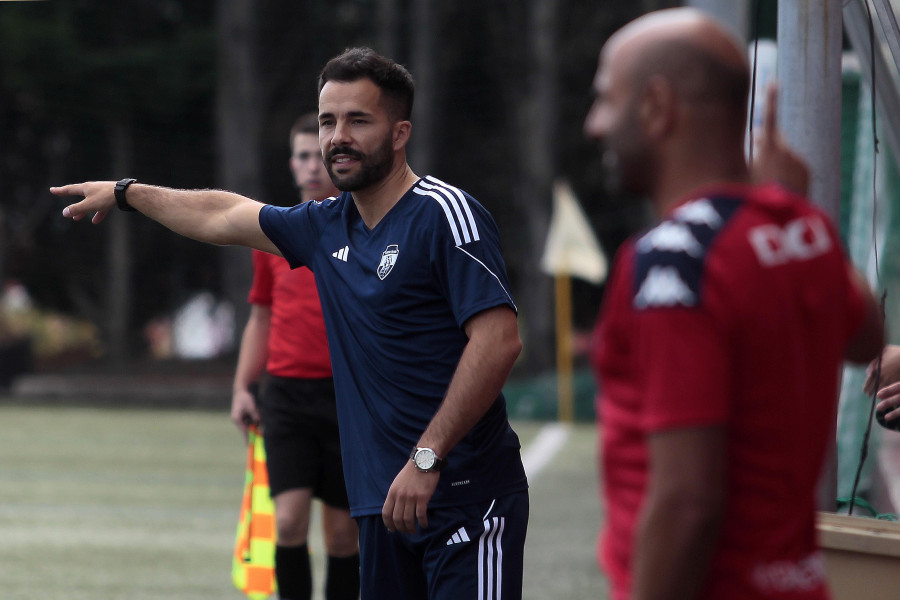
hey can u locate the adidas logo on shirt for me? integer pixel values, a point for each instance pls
(459, 537)
(342, 253)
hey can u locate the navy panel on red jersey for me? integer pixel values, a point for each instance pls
(671, 256)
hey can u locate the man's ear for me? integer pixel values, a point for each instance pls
(400, 134)
(658, 107)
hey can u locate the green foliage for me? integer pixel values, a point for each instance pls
(48, 56)
(75, 74)
(33, 50)
(72, 73)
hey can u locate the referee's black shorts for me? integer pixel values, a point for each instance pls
(300, 430)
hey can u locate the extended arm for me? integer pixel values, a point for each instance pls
(483, 368)
(250, 364)
(681, 519)
(212, 216)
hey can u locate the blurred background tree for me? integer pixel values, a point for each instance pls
(196, 95)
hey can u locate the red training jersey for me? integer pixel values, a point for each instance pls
(297, 344)
(735, 311)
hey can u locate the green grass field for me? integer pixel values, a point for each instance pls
(143, 505)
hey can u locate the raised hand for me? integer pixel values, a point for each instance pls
(773, 159)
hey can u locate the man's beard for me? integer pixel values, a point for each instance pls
(611, 169)
(627, 170)
(373, 168)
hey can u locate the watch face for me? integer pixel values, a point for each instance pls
(425, 459)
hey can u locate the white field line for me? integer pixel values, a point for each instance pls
(549, 440)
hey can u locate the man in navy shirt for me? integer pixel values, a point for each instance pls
(422, 333)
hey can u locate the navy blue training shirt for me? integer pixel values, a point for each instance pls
(395, 299)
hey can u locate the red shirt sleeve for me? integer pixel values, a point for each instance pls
(856, 305)
(261, 289)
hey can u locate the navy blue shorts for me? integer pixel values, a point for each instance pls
(471, 552)
(300, 432)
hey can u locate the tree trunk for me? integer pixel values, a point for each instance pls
(239, 130)
(536, 128)
(119, 296)
(4, 245)
(424, 69)
(388, 29)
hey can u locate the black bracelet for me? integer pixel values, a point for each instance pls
(120, 188)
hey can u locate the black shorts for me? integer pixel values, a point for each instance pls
(471, 551)
(300, 430)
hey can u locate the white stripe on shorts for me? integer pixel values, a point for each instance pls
(490, 559)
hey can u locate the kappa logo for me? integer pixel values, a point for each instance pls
(663, 286)
(670, 237)
(459, 537)
(342, 253)
(699, 212)
(388, 260)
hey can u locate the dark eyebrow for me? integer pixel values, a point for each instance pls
(351, 114)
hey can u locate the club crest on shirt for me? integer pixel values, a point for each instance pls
(388, 259)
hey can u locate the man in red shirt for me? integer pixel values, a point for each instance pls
(285, 337)
(721, 335)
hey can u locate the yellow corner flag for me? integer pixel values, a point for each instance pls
(572, 249)
(253, 563)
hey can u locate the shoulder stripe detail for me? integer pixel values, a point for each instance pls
(442, 201)
(463, 202)
(449, 196)
(494, 275)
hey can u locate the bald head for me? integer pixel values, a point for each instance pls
(670, 103)
(700, 58)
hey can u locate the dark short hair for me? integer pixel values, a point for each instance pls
(307, 123)
(394, 81)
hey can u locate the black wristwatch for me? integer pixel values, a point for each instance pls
(426, 460)
(120, 188)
